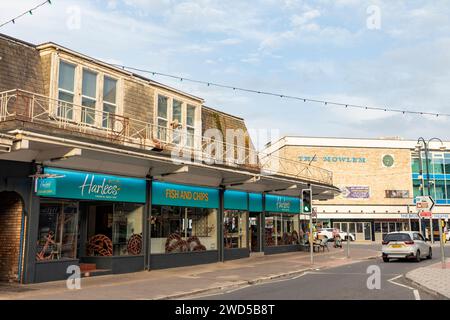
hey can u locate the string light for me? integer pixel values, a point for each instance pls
(29, 11)
(283, 96)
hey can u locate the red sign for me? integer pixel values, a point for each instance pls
(425, 214)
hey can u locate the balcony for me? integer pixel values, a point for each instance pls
(26, 110)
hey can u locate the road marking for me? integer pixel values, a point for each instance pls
(415, 292)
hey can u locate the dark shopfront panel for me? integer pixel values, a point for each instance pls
(282, 224)
(91, 220)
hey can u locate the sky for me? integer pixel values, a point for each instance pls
(386, 53)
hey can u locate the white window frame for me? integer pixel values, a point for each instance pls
(80, 65)
(88, 97)
(168, 115)
(73, 93)
(115, 105)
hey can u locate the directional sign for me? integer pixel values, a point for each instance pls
(425, 203)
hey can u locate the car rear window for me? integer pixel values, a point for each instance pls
(397, 237)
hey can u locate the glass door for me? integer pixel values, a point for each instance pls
(367, 231)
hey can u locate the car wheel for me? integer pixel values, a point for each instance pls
(385, 259)
(417, 257)
(430, 254)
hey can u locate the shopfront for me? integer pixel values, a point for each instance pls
(235, 225)
(89, 219)
(282, 224)
(183, 225)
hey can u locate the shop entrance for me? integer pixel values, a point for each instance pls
(11, 211)
(255, 231)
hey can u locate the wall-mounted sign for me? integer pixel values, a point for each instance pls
(388, 160)
(276, 203)
(235, 200)
(403, 194)
(336, 159)
(170, 194)
(69, 184)
(355, 192)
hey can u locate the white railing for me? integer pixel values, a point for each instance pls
(30, 107)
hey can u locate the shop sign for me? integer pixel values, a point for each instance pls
(276, 203)
(170, 194)
(69, 184)
(401, 194)
(334, 159)
(356, 192)
(255, 202)
(235, 200)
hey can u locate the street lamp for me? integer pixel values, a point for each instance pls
(442, 148)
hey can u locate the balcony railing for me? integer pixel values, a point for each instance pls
(211, 149)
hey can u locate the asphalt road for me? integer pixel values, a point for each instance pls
(343, 283)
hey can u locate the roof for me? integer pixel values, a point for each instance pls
(386, 143)
(56, 46)
(12, 39)
(223, 113)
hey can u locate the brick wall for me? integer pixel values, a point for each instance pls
(20, 67)
(10, 223)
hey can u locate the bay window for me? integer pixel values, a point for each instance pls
(109, 102)
(190, 125)
(66, 90)
(162, 119)
(88, 98)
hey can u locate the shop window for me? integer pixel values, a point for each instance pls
(66, 90)
(114, 229)
(235, 229)
(183, 229)
(57, 232)
(281, 229)
(109, 102)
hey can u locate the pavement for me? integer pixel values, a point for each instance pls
(432, 278)
(186, 282)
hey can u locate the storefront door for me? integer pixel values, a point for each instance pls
(254, 231)
(367, 231)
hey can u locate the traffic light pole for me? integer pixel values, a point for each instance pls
(307, 209)
(311, 239)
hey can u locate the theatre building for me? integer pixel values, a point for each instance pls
(379, 180)
(111, 172)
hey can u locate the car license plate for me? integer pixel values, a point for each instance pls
(396, 246)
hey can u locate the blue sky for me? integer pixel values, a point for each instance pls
(319, 49)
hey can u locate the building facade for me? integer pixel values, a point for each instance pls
(379, 180)
(111, 172)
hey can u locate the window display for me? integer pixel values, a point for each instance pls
(281, 229)
(114, 229)
(235, 229)
(183, 229)
(58, 229)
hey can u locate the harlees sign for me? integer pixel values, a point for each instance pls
(70, 184)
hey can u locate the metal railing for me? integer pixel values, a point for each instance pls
(211, 149)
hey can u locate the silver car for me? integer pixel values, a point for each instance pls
(405, 244)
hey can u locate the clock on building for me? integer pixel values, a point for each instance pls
(388, 160)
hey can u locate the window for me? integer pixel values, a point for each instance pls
(190, 125)
(66, 85)
(183, 229)
(281, 229)
(162, 118)
(235, 229)
(109, 102)
(88, 99)
(177, 119)
(397, 237)
(57, 232)
(118, 227)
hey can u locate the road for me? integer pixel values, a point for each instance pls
(344, 283)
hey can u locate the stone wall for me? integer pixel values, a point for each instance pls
(360, 167)
(20, 66)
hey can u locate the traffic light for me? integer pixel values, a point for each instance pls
(306, 200)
